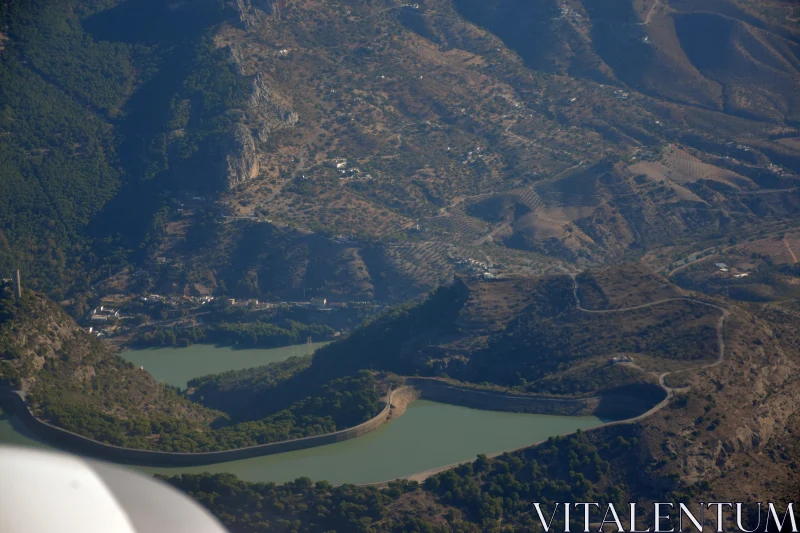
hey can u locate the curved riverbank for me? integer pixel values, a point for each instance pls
(67, 440)
(625, 405)
(610, 406)
(612, 400)
(428, 435)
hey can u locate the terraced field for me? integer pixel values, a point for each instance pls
(573, 190)
(526, 196)
(424, 263)
(459, 226)
(685, 168)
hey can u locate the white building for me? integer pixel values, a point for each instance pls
(622, 359)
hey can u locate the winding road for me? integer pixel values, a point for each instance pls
(720, 327)
(670, 391)
(716, 252)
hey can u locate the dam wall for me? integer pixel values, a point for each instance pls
(618, 404)
(69, 441)
(622, 403)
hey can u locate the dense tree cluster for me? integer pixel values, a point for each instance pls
(86, 151)
(57, 160)
(563, 469)
(341, 404)
(253, 334)
(300, 505)
(253, 379)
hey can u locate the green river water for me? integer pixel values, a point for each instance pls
(176, 366)
(428, 435)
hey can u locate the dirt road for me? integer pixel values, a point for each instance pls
(650, 12)
(670, 391)
(789, 249)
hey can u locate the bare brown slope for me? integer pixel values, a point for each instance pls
(757, 70)
(429, 135)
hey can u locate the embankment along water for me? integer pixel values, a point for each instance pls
(616, 404)
(81, 445)
(427, 436)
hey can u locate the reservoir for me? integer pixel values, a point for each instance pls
(429, 435)
(176, 366)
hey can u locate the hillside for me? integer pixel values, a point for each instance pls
(89, 90)
(728, 431)
(728, 426)
(525, 148)
(524, 335)
(367, 150)
(74, 381)
(600, 199)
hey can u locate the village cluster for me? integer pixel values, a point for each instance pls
(476, 268)
(734, 272)
(346, 173)
(149, 310)
(621, 359)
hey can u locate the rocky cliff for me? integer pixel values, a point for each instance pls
(241, 160)
(265, 113)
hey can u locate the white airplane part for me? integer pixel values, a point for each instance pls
(49, 492)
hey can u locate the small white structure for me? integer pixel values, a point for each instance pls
(621, 359)
(318, 303)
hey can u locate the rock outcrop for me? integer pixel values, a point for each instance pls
(266, 109)
(241, 162)
(265, 114)
(247, 15)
